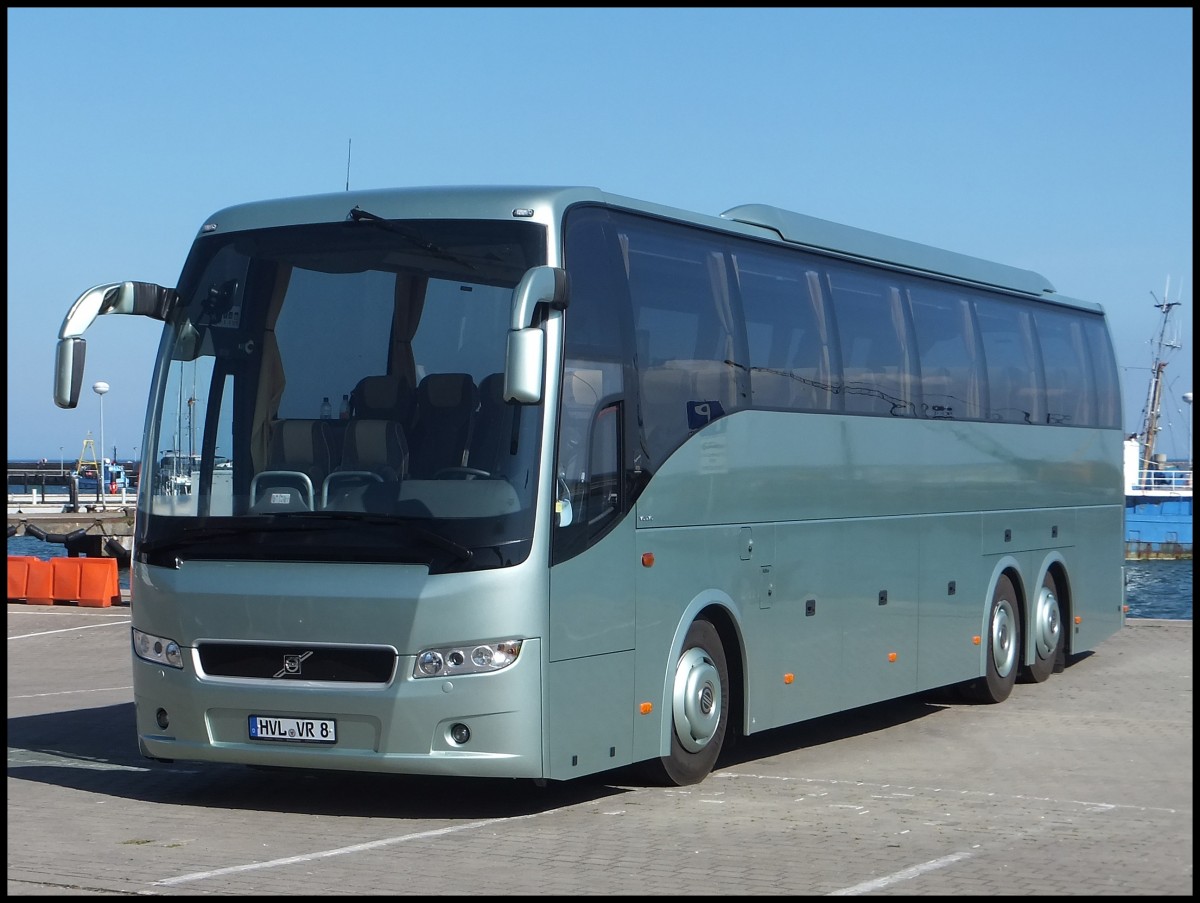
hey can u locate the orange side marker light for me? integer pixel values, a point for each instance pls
(646, 708)
(788, 678)
(647, 559)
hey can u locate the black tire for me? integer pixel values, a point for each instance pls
(1002, 645)
(1047, 635)
(699, 709)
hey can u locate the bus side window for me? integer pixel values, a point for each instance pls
(945, 341)
(1015, 392)
(665, 393)
(692, 368)
(1070, 393)
(603, 487)
(590, 490)
(1104, 373)
(589, 453)
(580, 395)
(876, 364)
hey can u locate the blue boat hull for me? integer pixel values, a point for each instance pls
(1158, 527)
(87, 486)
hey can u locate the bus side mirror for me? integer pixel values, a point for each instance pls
(144, 299)
(68, 371)
(525, 362)
(524, 365)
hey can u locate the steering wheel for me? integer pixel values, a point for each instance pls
(460, 473)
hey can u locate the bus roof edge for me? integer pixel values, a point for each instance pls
(824, 235)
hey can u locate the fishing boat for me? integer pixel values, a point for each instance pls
(1158, 492)
(107, 477)
(115, 478)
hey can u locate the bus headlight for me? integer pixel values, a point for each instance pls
(156, 649)
(479, 658)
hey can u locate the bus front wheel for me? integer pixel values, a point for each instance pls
(1047, 633)
(699, 709)
(1003, 642)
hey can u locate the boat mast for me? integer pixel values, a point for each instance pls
(1150, 426)
(83, 455)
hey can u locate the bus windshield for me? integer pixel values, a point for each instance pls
(346, 374)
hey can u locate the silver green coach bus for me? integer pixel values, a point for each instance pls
(542, 482)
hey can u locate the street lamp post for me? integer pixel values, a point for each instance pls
(100, 388)
(62, 461)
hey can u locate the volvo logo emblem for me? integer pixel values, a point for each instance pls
(291, 664)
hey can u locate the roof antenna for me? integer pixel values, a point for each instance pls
(348, 141)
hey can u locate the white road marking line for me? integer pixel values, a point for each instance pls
(902, 875)
(69, 692)
(1092, 806)
(341, 851)
(25, 636)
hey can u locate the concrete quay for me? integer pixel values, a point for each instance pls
(1080, 786)
(37, 505)
(100, 522)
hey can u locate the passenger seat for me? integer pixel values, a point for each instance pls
(298, 461)
(373, 451)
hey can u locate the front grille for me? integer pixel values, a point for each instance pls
(349, 664)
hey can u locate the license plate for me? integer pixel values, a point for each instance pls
(293, 730)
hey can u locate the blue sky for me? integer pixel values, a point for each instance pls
(1057, 140)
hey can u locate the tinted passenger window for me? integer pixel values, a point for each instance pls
(1104, 373)
(1070, 393)
(877, 374)
(951, 383)
(688, 335)
(1013, 371)
(787, 330)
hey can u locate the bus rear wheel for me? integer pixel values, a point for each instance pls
(699, 709)
(1047, 633)
(1003, 642)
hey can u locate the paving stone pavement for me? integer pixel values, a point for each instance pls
(1078, 786)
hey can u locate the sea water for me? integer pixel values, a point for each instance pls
(1153, 589)
(1159, 589)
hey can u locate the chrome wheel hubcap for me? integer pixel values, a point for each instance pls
(696, 700)
(1004, 650)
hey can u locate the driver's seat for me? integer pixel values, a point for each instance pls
(441, 428)
(492, 436)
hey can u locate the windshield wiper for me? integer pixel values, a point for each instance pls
(194, 534)
(358, 215)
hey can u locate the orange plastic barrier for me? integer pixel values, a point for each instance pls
(39, 585)
(92, 582)
(66, 581)
(18, 575)
(99, 586)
